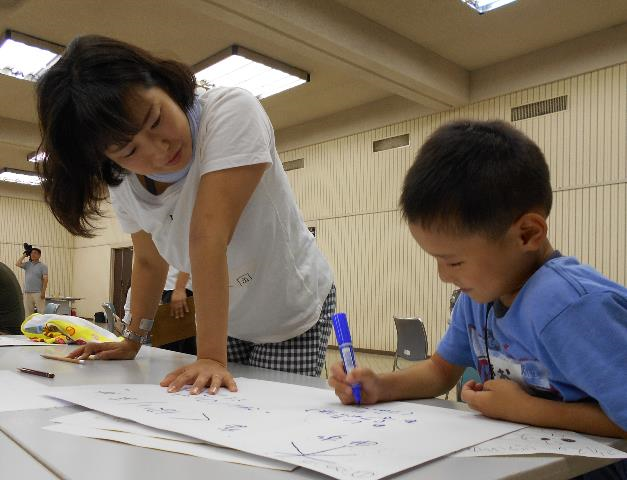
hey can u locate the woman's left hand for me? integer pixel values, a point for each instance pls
(204, 372)
(178, 303)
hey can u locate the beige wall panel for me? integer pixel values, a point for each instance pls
(92, 271)
(25, 220)
(92, 266)
(351, 195)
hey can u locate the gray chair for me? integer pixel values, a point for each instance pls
(411, 339)
(109, 310)
(470, 373)
(51, 307)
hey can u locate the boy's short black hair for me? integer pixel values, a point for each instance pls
(35, 248)
(476, 177)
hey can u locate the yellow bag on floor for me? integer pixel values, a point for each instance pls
(53, 328)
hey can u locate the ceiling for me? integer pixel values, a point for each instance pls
(357, 51)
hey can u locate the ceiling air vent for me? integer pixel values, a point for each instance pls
(390, 143)
(543, 107)
(294, 164)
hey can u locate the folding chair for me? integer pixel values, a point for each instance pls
(470, 373)
(411, 339)
(110, 315)
(51, 307)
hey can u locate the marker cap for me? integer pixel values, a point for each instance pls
(340, 324)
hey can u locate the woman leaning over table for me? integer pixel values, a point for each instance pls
(197, 182)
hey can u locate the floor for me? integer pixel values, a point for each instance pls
(377, 363)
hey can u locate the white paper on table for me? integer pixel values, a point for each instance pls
(195, 449)
(23, 341)
(102, 421)
(300, 425)
(20, 393)
(534, 440)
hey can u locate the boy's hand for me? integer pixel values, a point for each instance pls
(502, 399)
(370, 384)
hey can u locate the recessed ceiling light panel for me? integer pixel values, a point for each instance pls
(483, 6)
(23, 177)
(36, 157)
(26, 57)
(239, 67)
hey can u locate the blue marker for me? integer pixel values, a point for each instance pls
(343, 335)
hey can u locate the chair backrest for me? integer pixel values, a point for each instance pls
(168, 329)
(470, 373)
(51, 307)
(109, 310)
(411, 338)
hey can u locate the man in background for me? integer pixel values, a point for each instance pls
(35, 280)
(11, 306)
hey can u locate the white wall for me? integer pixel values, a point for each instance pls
(351, 195)
(92, 264)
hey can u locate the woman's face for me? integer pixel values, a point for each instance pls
(164, 141)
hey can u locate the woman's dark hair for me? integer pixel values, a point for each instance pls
(83, 109)
(476, 177)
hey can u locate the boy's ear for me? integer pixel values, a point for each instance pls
(531, 230)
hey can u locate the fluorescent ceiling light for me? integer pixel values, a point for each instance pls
(26, 57)
(23, 177)
(239, 67)
(483, 6)
(36, 157)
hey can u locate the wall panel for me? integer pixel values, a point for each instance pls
(25, 220)
(351, 194)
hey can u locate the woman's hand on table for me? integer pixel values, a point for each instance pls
(204, 372)
(124, 350)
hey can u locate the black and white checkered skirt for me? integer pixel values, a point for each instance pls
(303, 354)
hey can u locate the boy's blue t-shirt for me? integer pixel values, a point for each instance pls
(564, 337)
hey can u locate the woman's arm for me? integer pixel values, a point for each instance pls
(147, 277)
(222, 196)
(147, 280)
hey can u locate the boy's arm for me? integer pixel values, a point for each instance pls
(506, 400)
(426, 379)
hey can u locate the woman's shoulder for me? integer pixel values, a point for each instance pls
(118, 193)
(218, 100)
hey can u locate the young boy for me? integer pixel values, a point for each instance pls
(547, 334)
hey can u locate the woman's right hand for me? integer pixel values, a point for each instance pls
(342, 383)
(124, 350)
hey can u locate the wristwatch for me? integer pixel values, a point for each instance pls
(145, 325)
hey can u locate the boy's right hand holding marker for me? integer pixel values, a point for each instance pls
(371, 388)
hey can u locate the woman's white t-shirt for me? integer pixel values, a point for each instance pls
(278, 278)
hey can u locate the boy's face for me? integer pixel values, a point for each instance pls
(482, 268)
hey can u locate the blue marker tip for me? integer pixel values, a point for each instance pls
(343, 335)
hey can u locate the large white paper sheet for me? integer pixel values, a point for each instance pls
(102, 421)
(195, 449)
(299, 425)
(22, 341)
(21, 393)
(534, 440)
